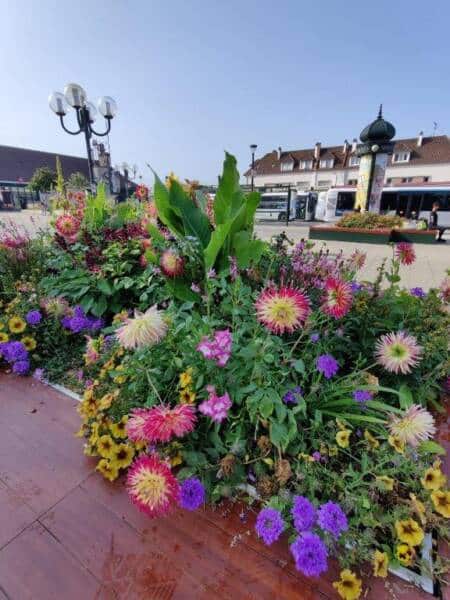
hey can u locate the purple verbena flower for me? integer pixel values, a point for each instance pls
(234, 271)
(14, 351)
(269, 525)
(327, 365)
(39, 375)
(362, 396)
(33, 317)
(310, 554)
(21, 367)
(418, 292)
(332, 519)
(292, 396)
(192, 494)
(355, 286)
(303, 513)
(314, 337)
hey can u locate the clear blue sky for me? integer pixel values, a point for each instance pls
(193, 78)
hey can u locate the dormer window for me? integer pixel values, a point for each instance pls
(354, 161)
(305, 164)
(401, 157)
(287, 166)
(326, 163)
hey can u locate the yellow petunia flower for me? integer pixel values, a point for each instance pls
(106, 401)
(397, 444)
(93, 438)
(176, 460)
(372, 441)
(341, 425)
(405, 554)
(385, 482)
(349, 587)
(380, 564)
(89, 450)
(88, 394)
(186, 378)
(16, 325)
(441, 503)
(107, 469)
(29, 343)
(409, 532)
(82, 431)
(333, 451)
(106, 446)
(118, 429)
(140, 446)
(122, 456)
(419, 508)
(343, 438)
(4, 337)
(187, 396)
(433, 479)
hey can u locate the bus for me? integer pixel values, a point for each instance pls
(273, 206)
(410, 201)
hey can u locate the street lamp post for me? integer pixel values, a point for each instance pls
(75, 97)
(253, 149)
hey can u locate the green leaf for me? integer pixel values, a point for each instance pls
(166, 212)
(245, 249)
(430, 447)
(100, 306)
(299, 366)
(195, 221)
(216, 242)
(155, 233)
(279, 434)
(104, 286)
(229, 194)
(405, 397)
(181, 290)
(266, 407)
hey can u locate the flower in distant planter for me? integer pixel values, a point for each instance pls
(415, 426)
(216, 407)
(398, 352)
(405, 554)
(152, 486)
(405, 253)
(310, 554)
(21, 367)
(29, 343)
(327, 365)
(283, 310)
(349, 587)
(409, 532)
(332, 519)
(380, 564)
(338, 298)
(417, 292)
(172, 264)
(33, 317)
(17, 325)
(143, 330)
(441, 503)
(269, 525)
(303, 513)
(433, 479)
(163, 423)
(192, 494)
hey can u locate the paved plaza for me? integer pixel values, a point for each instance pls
(428, 271)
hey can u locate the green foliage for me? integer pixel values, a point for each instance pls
(60, 185)
(42, 180)
(368, 220)
(77, 181)
(98, 209)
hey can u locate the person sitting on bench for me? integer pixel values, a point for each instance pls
(433, 222)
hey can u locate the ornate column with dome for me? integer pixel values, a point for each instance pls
(373, 152)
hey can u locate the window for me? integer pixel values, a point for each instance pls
(400, 157)
(426, 179)
(303, 185)
(305, 164)
(326, 163)
(352, 182)
(407, 179)
(354, 161)
(287, 166)
(389, 180)
(324, 183)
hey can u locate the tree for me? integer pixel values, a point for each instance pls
(43, 180)
(77, 181)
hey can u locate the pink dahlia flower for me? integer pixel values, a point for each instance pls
(67, 227)
(152, 486)
(143, 330)
(405, 253)
(358, 259)
(338, 298)
(283, 310)
(162, 423)
(398, 352)
(135, 426)
(216, 407)
(415, 426)
(172, 264)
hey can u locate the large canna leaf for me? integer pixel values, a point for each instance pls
(195, 221)
(229, 195)
(216, 242)
(245, 249)
(166, 213)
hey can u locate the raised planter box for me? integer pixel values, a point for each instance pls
(371, 236)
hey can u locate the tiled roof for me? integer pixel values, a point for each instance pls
(19, 164)
(433, 150)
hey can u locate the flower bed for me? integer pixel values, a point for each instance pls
(225, 365)
(371, 236)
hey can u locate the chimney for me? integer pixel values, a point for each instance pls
(345, 147)
(420, 139)
(354, 144)
(279, 152)
(317, 150)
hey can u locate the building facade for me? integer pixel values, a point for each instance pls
(414, 161)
